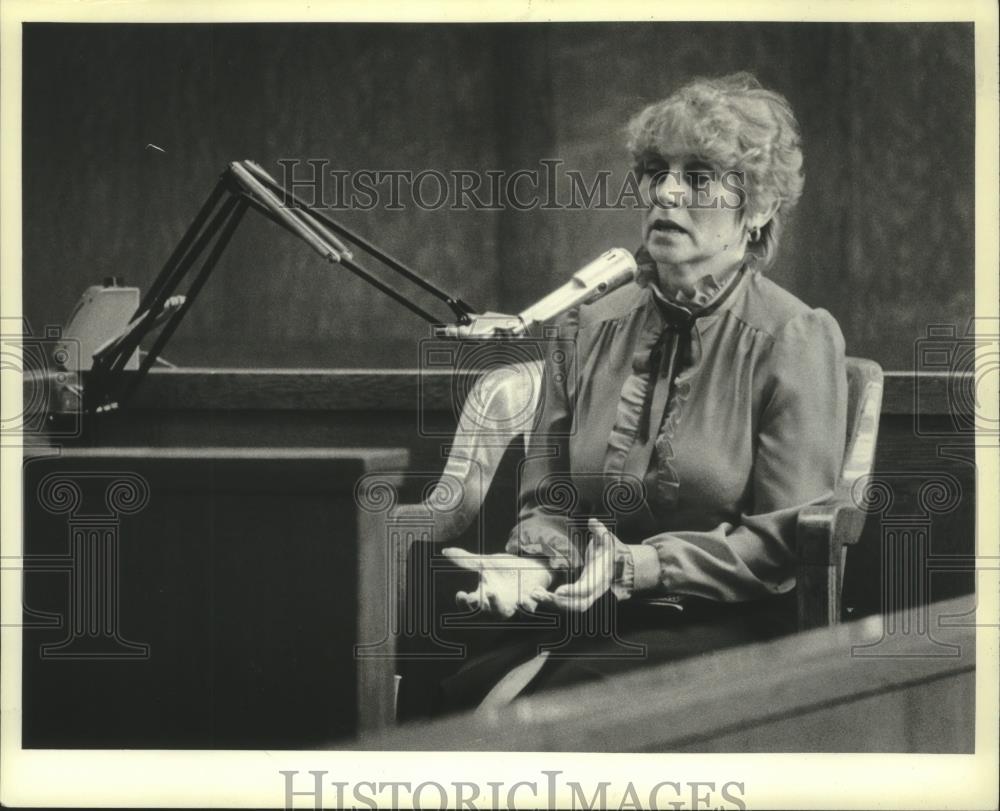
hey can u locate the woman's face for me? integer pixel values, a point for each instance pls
(692, 226)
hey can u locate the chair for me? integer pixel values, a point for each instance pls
(501, 407)
(825, 530)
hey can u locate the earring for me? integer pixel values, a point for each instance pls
(754, 234)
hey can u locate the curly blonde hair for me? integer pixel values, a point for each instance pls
(735, 124)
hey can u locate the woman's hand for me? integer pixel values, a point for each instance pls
(597, 575)
(506, 582)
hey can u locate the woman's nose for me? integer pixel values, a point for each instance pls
(668, 190)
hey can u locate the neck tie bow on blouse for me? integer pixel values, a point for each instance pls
(672, 351)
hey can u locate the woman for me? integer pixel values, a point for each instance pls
(705, 407)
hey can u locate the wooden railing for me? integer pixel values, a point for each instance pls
(905, 683)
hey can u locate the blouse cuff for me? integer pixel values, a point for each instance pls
(647, 567)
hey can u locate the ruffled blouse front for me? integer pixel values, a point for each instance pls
(697, 439)
(661, 355)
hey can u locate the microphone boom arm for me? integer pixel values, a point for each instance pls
(243, 185)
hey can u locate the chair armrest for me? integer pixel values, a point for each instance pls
(823, 533)
(824, 529)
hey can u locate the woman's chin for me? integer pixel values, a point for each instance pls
(667, 254)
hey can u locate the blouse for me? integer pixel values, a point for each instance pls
(701, 465)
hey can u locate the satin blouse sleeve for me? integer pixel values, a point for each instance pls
(799, 451)
(545, 478)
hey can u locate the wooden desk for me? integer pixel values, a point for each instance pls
(207, 597)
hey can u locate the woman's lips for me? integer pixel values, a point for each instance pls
(666, 228)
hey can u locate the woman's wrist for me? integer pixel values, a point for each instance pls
(645, 567)
(623, 581)
(637, 568)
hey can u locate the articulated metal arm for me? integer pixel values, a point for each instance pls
(243, 185)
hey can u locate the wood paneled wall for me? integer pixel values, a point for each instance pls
(883, 237)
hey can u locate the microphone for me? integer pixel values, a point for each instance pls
(593, 281)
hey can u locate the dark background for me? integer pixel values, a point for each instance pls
(883, 237)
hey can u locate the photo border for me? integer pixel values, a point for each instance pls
(88, 778)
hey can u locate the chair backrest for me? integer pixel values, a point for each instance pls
(500, 407)
(864, 405)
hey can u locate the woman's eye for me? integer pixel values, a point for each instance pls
(700, 177)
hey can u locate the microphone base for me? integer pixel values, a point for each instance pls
(485, 327)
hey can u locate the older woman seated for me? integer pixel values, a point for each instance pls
(704, 407)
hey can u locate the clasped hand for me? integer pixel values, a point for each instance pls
(508, 582)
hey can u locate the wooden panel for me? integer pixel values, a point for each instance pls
(359, 97)
(778, 696)
(228, 608)
(203, 389)
(887, 259)
(932, 717)
(845, 727)
(941, 716)
(924, 427)
(927, 393)
(908, 466)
